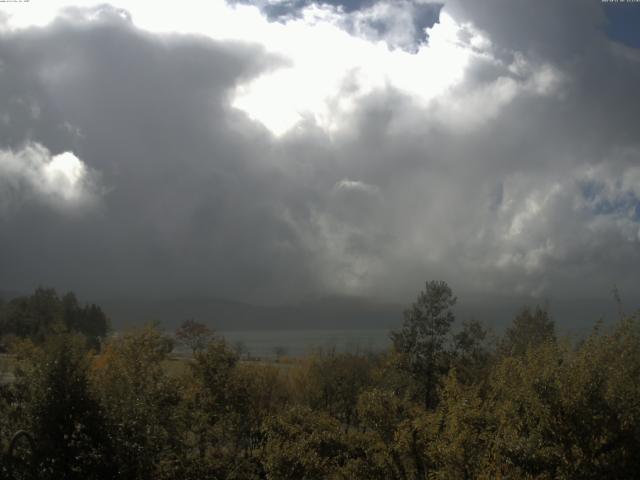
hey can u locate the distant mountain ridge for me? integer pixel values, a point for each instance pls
(221, 314)
(575, 316)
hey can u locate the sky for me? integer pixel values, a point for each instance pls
(272, 151)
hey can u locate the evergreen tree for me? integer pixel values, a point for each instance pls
(422, 340)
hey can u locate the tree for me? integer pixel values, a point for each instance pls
(213, 367)
(89, 320)
(332, 382)
(422, 340)
(213, 370)
(569, 413)
(35, 316)
(279, 351)
(461, 429)
(139, 398)
(471, 356)
(44, 312)
(381, 413)
(72, 435)
(530, 328)
(302, 444)
(194, 335)
(240, 348)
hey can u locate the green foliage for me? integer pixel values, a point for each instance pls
(139, 398)
(438, 405)
(194, 335)
(471, 356)
(214, 367)
(461, 429)
(302, 444)
(34, 317)
(45, 313)
(396, 426)
(67, 422)
(529, 329)
(422, 341)
(88, 320)
(332, 382)
(221, 413)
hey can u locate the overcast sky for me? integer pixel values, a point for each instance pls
(266, 150)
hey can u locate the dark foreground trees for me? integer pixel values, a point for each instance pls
(72, 438)
(534, 407)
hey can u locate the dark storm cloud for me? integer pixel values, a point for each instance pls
(190, 202)
(522, 179)
(556, 31)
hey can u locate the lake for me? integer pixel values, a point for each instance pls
(301, 342)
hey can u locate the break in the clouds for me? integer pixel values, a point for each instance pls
(399, 23)
(231, 151)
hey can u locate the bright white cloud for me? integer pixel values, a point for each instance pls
(62, 181)
(329, 70)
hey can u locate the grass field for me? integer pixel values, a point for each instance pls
(179, 364)
(175, 365)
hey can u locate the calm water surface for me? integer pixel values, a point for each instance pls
(300, 342)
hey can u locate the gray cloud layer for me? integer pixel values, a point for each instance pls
(536, 194)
